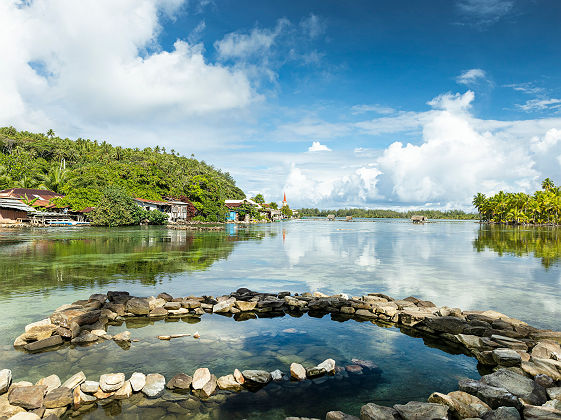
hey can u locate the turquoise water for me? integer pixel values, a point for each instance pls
(458, 264)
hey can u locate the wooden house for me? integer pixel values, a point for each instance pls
(12, 210)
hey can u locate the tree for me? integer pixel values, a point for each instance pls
(247, 209)
(54, 179)
(50, 133)
(478, 202)
(274, 205)
(259, 199)
(115, 208)
(286, 211)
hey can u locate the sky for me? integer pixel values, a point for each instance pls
(376, 104)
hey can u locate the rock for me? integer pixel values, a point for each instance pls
(461, 403)
(180, 381)
(506, 357)
(156, 312)
(229, 383)
(554, 393)
(294, 303)
(165, 296)
(200, 378)
(81, 398)
(41, 323)
(365, 313)
(517, 385)
(74, 380)
(297, 371)
(124, 336)
(46, 343)
(354, 369)
(546, 349)
(89, 387)
(549, 367)
(503, 413)
(79, 316)
(35, 333)
(373, 411)
(59, 397)
(110, 382)
(155, 385)
(339, 415)
(5, 380)
(54, 413)
(7, 409)
(138, 306)
(277, 375)
(328, 365)
(28, 397)
(25, 416)
(315, 372)
(541, 413)
(511, 343)
(172, 305)
(207, 389)
(191, 304)
(556, 404)
(415, 410)
(366, 364)
(85, 338)
(493, 396)
(224, 306)
(137, 380)
(239, 377)
(124, 392)
(544, 380)
(100, 395)
(447, 324)
(256, 378)
(51, 382)
(245, 306)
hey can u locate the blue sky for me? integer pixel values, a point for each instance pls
(401, 104)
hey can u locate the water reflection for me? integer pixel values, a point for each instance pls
(32, 260)
(540, 242)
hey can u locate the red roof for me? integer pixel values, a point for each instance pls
(31, 193)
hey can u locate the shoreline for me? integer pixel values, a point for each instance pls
(517, 353)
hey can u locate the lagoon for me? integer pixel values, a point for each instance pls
(459, 264)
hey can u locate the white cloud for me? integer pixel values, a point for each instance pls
(458, 156)
(485, 12)
(533, 105)
(472, 76)
(378, 109)
(318, 147)
(313, 25)
(311, 127)
(527, 88)
(99, 61)
(237, 45)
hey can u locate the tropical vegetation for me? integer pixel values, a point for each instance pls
(541, 208)
(82, 169)
(383, 214)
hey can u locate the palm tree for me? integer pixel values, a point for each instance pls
(26, 182)
(478, 202)
(50, 133)
(547, 184)
(55, 178)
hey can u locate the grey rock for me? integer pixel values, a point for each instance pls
(503, 413)
(138, 306)
(155, 385)
(110, 382)
(541, 413)
(74, 380)
(256, 377)
(554, 393)
(180, 381)
(506, 357)
(5, 380)
(51, 382)
(207, 389)
(415, 410)
(89, 387)
(373, 411)
(544, 380)
(339, 415)
(277, 375)
(447, 324)
(517, 385)
(494, 396)
(46, 343)
(137, 380)
(85, 338)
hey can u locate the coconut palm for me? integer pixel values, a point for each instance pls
(55, 178)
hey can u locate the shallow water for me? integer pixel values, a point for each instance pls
(458, 264)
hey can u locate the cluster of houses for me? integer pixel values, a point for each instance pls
(36, 206)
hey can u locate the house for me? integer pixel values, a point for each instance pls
(40, 198)
(233, 207)
(12, 210)
(151, 205)
(176, 210)
(179, 210)
(418, 219)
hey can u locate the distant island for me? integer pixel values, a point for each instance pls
(388, 214)
(541, 208)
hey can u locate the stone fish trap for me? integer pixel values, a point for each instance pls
(526, 359)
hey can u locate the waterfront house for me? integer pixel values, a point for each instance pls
(41, 198)
(233, 207)
(175, 210)
(12, 210)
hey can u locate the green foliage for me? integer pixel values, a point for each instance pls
(116, 208)
(541, 208)
(81, 169)
(388, 214)
(274, 205)
(247, 208)
(259, 199)
(286, 211)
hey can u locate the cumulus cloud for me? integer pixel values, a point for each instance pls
(472, 76)
(98, 61)
(318, 147)
(541, 104)
(458, 156)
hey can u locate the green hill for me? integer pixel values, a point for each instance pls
(82, 168)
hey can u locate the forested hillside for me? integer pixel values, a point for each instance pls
(82, 168)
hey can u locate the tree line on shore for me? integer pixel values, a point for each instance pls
(83, 169)
(541, 208)
(388, 214)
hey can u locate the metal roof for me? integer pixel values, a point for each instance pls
(12, 203)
